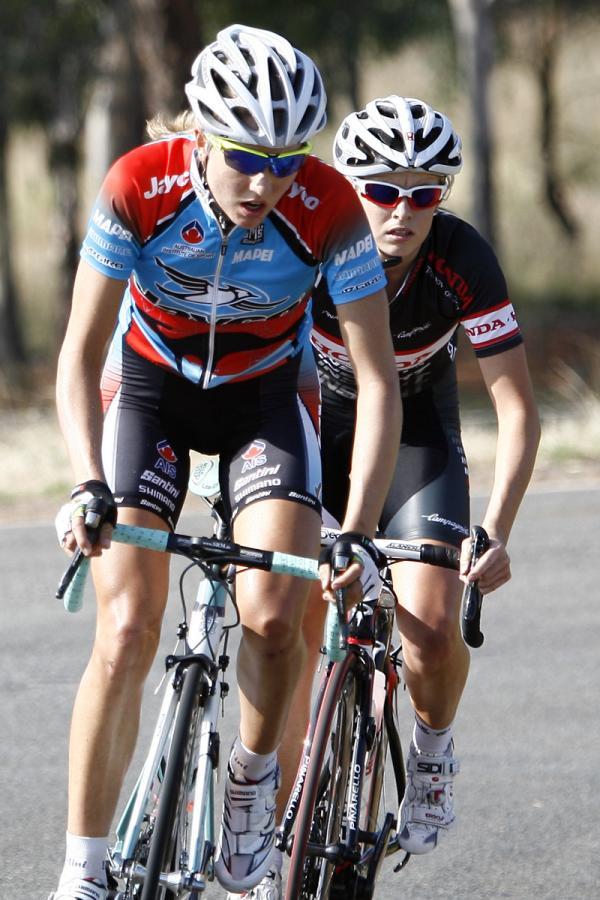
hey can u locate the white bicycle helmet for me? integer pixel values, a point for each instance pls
(394, 133)
(253, 87)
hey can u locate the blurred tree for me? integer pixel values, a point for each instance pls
(12, 349)
(474, 41)
(535, 30)
(146, 59)
(48, 56)
(54, 53)
(168, 37)
(340, 34)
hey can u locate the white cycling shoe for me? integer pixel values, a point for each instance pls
(247, 838)
(267, 889)
(81, 889)
(427, 809)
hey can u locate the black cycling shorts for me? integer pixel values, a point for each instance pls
(429, 494)
(264, 429)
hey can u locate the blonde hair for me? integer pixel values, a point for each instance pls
(160, 126)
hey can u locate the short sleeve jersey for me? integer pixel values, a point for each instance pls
(455, 280)
(214, 304)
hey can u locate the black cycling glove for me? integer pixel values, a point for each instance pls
(93, 502)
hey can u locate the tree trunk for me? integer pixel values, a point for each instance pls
(63, 161)
(12, 349)
(473, 31)
(545, 71)
(146, 61)
(123, 86)
(167, 37)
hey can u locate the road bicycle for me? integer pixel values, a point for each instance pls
(338, 827)
(165, 837)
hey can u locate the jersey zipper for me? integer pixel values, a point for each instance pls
(212, 332)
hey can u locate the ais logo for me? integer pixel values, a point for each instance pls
(192, 233)
(166, 459)
(254, 456)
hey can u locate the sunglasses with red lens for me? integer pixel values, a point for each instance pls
(252, 162)
(421, 196)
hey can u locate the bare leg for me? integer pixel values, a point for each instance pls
(131, 590)
(272, 651)
(436, 660)
(295, 731)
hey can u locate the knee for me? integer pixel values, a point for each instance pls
(434, 650)
(126, 650)
(273, 633)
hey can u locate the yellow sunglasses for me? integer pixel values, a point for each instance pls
(252, 162)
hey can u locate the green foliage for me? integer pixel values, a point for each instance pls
(338, 34)
(39, 40)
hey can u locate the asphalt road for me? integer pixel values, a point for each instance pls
(528, 731)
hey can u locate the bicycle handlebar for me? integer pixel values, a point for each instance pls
(211, 549)
(200, 548)
(432, 554)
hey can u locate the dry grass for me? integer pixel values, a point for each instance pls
(568, 452)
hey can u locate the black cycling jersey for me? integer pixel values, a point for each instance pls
(455, 280)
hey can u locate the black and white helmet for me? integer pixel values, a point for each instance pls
(253, 87)
(394, 133)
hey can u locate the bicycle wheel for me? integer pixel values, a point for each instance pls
(321, 810)
(165, 839)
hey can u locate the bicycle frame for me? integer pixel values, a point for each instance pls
(204, 638)
(335, 828)
(370, 721)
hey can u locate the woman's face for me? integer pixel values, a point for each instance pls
(400, 231)
(245, 199)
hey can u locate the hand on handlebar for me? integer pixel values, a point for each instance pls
(86, 522)
(352, 563)
(491, 570)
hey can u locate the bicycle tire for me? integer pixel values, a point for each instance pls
(322, 803)
(163, 839)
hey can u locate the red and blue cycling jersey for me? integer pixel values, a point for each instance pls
(213, 303)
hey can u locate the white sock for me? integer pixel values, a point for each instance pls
(277, 860)
(85, 858)
(431, 740)
(249, 766)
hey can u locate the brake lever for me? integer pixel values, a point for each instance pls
(472, 596)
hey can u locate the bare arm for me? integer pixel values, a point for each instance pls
(94, 310)
(506, 377)
(365, 329)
